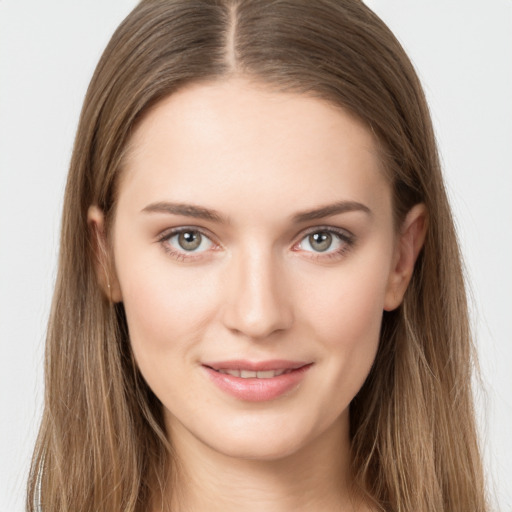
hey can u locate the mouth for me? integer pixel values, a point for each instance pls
(257, 381)
(249, 374)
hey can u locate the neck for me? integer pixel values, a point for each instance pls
(311, 478)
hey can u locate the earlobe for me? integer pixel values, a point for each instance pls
(105, 272)
(408, 246)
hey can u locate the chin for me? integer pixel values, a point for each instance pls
(264, 438)
(258, 447)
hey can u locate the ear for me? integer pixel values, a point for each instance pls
(105, 271)
(408, 245)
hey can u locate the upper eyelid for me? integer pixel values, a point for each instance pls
(344, 235)
(329, 229)
(169, 233)
(206, 232)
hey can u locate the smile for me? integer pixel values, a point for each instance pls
(248, 374)
(257, 382)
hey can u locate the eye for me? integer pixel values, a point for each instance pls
(320, 241)
(328, 241)
(184, 241)
(188, 240)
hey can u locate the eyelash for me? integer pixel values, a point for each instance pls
(181, 256)
(346, 238)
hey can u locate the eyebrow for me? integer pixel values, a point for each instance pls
(199, 212)
(187, 210)
(330, 209)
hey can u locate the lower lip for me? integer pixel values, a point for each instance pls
(257, 390)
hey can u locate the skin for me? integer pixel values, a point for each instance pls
(257, 287)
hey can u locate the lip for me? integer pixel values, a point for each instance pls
(254, 389)
(256, 366)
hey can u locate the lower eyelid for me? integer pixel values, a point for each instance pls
(346, 239)
(181, 254)
(331, 255)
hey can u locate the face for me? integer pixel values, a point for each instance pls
(254, 252)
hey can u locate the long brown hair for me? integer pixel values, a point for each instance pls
(102, 442)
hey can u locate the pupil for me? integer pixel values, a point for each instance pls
(320, 241)
(189, 240)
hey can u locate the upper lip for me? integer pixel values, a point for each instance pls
(256, 366)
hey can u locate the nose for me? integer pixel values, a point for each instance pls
(258, 302)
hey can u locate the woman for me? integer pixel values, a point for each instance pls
(259, 301)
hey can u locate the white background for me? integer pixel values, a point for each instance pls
(48, 50)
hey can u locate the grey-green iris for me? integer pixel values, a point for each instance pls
(189, 240)
(320, 241)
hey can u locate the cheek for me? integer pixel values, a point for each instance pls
(166, 310)
(167, 315)
(346, 318)
(348, 308)
(353, 333)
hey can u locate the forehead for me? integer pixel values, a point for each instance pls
(244, 145)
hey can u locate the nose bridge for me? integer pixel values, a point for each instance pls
(259, 303)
